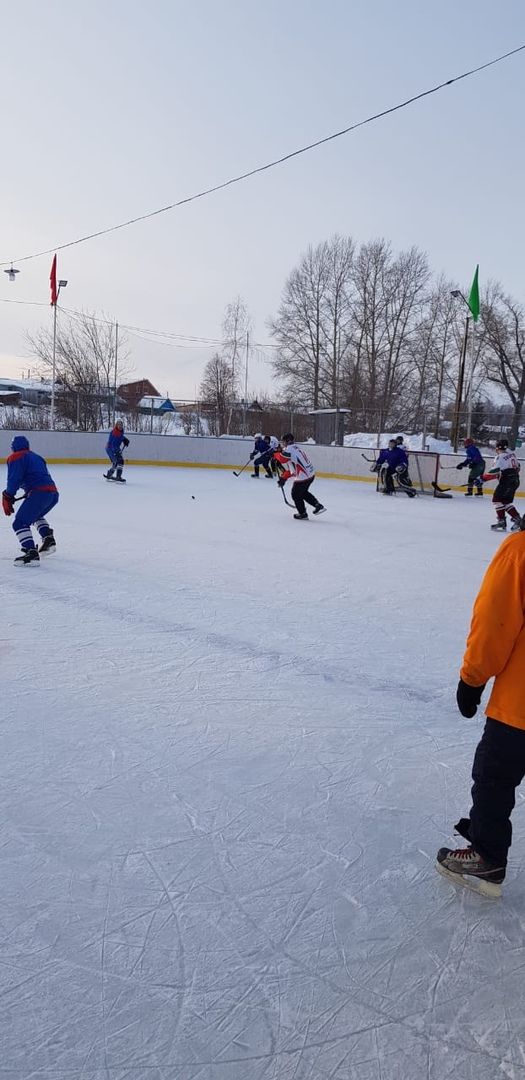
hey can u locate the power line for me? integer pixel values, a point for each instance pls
(270, 164)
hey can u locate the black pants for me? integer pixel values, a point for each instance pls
(301, 495)
(499, 767)
(263, 460)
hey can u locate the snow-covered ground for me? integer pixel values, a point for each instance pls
(230, 750)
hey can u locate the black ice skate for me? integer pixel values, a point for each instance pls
(48, 545)
(500, 526)
(466, 867)
(478, 491)
(29, 557)
(301, 517)
(319, 509)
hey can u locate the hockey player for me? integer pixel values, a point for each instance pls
(261, 456)
(495, 647)
(397, 465)
(116, 440)
(384, 483)
(29, 471)
(274, 444)
(506, 469)
(298, 466)
(476, 465)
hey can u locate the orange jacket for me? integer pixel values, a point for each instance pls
(496, 641)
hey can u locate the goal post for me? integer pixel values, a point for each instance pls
(423, 467)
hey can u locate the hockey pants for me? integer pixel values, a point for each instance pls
(301, 495)
(32, 512)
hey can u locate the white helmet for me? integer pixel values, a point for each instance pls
(258, 435)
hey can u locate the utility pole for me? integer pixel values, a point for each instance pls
(115, 378)
(459, 390)
(246, 382)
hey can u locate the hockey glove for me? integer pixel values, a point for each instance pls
(281, 482)
(461, 465)
(253, 455)
(490, 476)
(468, 698)
(7, 503)
(125, 441)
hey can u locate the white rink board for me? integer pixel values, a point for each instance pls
(344, 462)
(230, 750)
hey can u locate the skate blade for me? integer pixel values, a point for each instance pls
(24, 565)
(46, 554)
(490, 889)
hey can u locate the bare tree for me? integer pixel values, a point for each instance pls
(312, 324)
(504, 340)
(217, 393)
(236, 327)
(87, 371)
(388, 307)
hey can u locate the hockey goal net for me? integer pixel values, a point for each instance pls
(423, 467)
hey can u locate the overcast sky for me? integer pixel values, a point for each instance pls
(113, 109)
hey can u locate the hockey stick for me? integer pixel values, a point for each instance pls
(291, 505)
(243, 468)
(440, 489)
(372, 459)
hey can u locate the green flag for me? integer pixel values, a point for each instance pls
(473, 297)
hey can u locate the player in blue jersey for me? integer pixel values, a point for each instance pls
(28, 471)
(476, 466)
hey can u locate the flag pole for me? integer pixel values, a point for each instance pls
(471, 377)
(52, 421)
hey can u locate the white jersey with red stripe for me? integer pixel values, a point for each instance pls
(298, 463)
(506, 460)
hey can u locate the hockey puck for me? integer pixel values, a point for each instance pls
(193, 496)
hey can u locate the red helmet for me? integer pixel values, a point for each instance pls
(468, 442)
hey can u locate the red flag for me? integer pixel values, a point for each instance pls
(53, 281)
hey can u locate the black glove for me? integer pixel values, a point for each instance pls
(125, 441)
(8, 503)
(253, 455)
(281, 482)
(468, 698)
(461, 465)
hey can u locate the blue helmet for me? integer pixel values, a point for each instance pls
(19, 443)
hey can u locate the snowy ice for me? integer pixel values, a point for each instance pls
(230, 750)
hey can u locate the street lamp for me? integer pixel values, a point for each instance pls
(61, 285)
(11, 273)
(458, 295)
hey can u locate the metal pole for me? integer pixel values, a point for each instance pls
(459, 389)
(52, 418)
(471, 377)
(116, 368)
(151, 419)
(245, 383)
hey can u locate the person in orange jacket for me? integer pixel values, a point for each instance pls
(495, 648)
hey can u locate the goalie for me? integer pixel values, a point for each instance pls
(392, 469)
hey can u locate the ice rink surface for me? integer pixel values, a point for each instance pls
(229, 752)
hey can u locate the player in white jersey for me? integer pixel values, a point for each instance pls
(298, 466)
(506, 468)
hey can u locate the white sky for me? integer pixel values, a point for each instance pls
(112, 110)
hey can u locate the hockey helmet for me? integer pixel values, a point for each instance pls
(287, 439)
(119, 424)
(19, 443)
(502, 444)
(258, 435)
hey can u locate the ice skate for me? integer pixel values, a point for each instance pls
(28, 557)
(516, 526)
(478, 492)
(301, 517)
(320, 509)
(465, 867)
(500, 526)
(48, 545)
